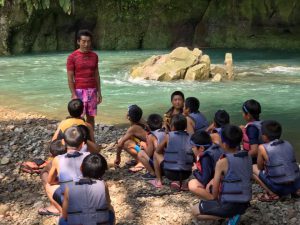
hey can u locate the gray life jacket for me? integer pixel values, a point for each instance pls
(178, 153)
(217, 130)
(87, 203)
(159, 134)
(214, 152)
(201, 122)
(281, 166)
(69, 167)
(236, 184)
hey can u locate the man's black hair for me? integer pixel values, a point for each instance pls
(84, 33)
(135, 113)
(154, 122)
(94, 166)
(221, 118)
(57, 148)
(177, 93)
(192, 104)
(231, 135)
(201, 138)
(272, 129)
(73, 137)
(252, 107)
(179, 122)
(75, 108)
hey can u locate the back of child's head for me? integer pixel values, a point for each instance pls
(201, 138)
(85, 132)
(221, 118)
(135, 113)
(73, 137)
(271, 129)
(179, 122)
(192, 104)
(154, 122)
(179, 93)
(75, 108)
(57, 148)
(252, 107)
(94, 166)
(231, 135)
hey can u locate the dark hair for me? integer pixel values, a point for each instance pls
(192, 104)
(73, 137)
(75, 107)
(135, 113)
(179, 122)
(94, 166)
(177, 93)
(201, 138)
(231, 135)
(85, 132)
(57, 148)
(221, 118)
(272, 129)
(154, 121)
(252, 107)
(84, 33)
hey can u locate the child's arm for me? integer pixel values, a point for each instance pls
(150, 145)
(91, 131)
(262, 157)
(56, 132)
(65, 204)
(121, 142)
(161, 147)
(190, 128)
(92, 147)
(221, 167)
(52, 177)
(210, 128)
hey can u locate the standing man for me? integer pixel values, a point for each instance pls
(83, 76)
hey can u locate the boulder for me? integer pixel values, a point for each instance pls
(198, 72)
(215, 69)
(229, 66)
(217, 78)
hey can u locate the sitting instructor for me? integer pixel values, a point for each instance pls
(83, 75)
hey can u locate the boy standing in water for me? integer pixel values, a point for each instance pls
(277, 170)
(83, 75)
(232, 187)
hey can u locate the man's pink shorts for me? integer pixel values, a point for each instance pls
(89, 98)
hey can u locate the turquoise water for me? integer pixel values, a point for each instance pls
(38, 83)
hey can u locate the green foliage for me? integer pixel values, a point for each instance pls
(32, 5)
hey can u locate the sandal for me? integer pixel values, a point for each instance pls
(155, 183)
(268, 197)
(175, 185)
(46, 212)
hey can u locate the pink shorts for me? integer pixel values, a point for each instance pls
(89, 98)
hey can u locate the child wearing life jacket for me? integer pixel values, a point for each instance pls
(252, 130)
(277, 170)
(221, 119)
(75, 109)
(196, 121)
(232, 187)
(66, 168)
(155, 137)
(134, 138)
(87, 201)
(56, 148)
(207, 154)
(174, 156)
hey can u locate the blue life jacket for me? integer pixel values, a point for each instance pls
(201, 122)
(178, 153)
(159, 134)
(69, 167)
(87, 203)
(281, 166)
(214, 152)
(217, 130)
(236, 184)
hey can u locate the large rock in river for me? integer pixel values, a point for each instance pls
(181, 63)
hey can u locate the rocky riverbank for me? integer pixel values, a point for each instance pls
(26, 136)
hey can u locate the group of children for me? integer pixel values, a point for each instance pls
(221, 158)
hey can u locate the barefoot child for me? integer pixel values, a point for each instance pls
(207, 155)
(134, 138)
(232, 187)
(277, 170)
(87, 201)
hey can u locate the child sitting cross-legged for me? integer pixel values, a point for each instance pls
(207, 155)
(87, 200)
(174, 156)
(277, 170)
(232, 187)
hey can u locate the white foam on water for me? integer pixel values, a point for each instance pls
(284, 69)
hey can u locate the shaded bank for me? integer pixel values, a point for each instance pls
(157, 24)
